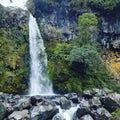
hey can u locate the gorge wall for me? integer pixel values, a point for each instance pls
(14, 53)
(59, 18)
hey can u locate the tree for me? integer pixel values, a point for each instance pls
(87, 26)
(87, 62)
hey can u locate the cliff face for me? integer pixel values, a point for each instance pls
(56, 18)
(13, 49)
(60, 16)
(110, 28)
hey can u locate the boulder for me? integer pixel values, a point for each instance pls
(23, 103)
(87, 94)
(33, 100)
(56, 101)
(58, 116)
(81, 112)
(74, 99)
(84, 103)
(2, 111)
(103, 114)
(86, 117)
(95, 102)
(19, 115)
(9, 108)
(65, 103)
(116, 44)
(2, 96)
(35, 112)
(111, 102)
(43, 112)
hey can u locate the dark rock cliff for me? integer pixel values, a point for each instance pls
(56, 18)
(56, 15)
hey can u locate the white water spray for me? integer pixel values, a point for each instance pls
(39, 82)
(65, 114)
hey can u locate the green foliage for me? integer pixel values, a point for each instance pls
(116, 114)
(89, 64)
(76, 4)
(99, 4)
(54, 30)
(73, 85)
(11, 83)
(59, 68)
(13, 45)
(30, 6)
(62, 51)
(78, 65)
(104, 4)
(87, 25)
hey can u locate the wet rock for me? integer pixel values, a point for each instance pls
(9, 108)
(86, 117)
(35, 112)
(84, 103)
(2, 96)
(23, 103)
(87, 94)
(58, 116)
(103, 114)
(48, 115)
(33, 100)
(38, 99)
(111, 102)
(74, 98)
(43, 112)
(19, 115)
(56, 101)
(95, 102)
(2, 111)
(65, 103)
(81, 112)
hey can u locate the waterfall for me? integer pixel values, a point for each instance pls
(39, 82)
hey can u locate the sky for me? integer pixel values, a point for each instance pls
(14, 3)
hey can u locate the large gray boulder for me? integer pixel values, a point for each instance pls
(65, 103)
(111, 102)
(103, 114)
(95, 102)
(2, 111)
(81, 112)
(43, 112)
(19, 115)
(23, 103)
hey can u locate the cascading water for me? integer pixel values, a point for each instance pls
(39, 82)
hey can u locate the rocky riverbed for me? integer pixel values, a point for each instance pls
(93, 104)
